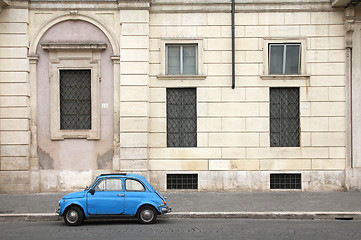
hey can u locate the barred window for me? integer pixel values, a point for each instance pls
(284, 117)
(75, 99)
(181, 117)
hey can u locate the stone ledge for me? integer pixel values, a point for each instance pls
(285, 77)
(181, 77)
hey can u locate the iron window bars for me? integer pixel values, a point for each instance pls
(75, 99)
(284, 117)
(181, 117)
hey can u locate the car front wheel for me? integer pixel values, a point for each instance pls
(147, 215)
(74, 216)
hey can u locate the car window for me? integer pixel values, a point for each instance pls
(111, 184)
(133, 185)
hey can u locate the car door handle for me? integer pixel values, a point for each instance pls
(120, 195)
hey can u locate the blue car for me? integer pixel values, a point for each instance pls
(114, 195)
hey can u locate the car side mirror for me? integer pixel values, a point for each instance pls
(92, 191)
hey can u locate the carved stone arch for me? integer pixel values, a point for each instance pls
(74, 15)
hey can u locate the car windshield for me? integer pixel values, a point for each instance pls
(92, 183)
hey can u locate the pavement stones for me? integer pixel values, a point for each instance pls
(249, 205)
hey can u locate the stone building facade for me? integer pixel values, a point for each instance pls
(146, 86)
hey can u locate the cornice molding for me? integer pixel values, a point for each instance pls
(4, 3)
(178, 6)
(74, 46)
(340, 3)
(90, 4)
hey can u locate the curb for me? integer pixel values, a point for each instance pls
(269, 215)
(33, 217)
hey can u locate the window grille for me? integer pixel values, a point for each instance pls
(284, 58)
(75, 99)
(181, 117)
(181, 60)
(284, 117)
(182, 181)
(285, 181)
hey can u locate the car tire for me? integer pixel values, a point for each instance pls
(147, 215)
(74, 216)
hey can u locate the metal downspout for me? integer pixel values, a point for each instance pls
(233, 48)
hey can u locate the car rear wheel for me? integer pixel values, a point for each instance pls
(147, 215)
(74, 216)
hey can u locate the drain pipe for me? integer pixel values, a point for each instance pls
(233, 48)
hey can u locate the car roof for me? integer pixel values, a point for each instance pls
(140, 177)
(122, 175)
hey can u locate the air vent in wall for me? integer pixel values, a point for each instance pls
(286, 181)
(182, 181)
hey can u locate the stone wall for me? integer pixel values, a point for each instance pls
(233, 151)
(233, 128)
(14, 101)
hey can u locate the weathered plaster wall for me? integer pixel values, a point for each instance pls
(74, 154)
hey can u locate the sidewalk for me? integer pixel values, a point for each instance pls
(280, 205)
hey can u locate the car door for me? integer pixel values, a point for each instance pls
(135, 195)
(107, 197)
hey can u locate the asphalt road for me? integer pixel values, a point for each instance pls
(185, 229)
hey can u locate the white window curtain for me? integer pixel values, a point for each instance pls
(181, 59)
(284, 58)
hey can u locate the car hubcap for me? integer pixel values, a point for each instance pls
(72, 216)
(147, 215)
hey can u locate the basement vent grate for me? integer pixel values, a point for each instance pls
(182, 181)
(286, 181)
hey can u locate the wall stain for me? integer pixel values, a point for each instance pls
(45, 161)
(105, 160)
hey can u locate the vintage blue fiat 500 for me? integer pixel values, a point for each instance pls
(114, 195)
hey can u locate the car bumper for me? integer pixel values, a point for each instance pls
(58, 211)
(165, 209)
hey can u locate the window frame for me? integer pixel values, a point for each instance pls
(106, 179)
(60, 87)
(164, 60)
(303, 71)
(131, 179)
(284, 62)
(181, 60)
(74, 56)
